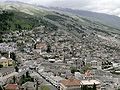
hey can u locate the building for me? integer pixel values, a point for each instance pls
(70, 84)
(88, 75)
(40, 47)
(6, 70)
(5, 62)
(28, 86)
(96, 64)
(6, 73)
(11, 87)
(90, 83)
(78, 63)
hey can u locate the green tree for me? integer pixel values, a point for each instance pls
(94, 86)
(13, 56)
(16, 69)
(1, 66)
(73, 70)
(14, 79)
(27, 74)
(1, 88)
(48, 48)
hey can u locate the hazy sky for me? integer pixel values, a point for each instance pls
(103, 6)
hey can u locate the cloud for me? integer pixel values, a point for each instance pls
(102, 6)
(41, 2)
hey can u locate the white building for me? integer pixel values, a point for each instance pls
(96, 64)
(90, 83)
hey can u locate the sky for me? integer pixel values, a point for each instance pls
(103, 6)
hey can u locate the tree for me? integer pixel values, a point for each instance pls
(14, 79)
(1, 66)
(13, 56)
(94, 86)
(48, 48)
(1, 88)
(73, 70)
(27, 74)
(16, 69)
(84, 87)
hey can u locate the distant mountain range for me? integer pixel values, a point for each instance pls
(106, 19)
(27, 16)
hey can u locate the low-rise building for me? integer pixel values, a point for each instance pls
(40, 47)
(11, 87)
(96, 64)
(5, 62)
(6, 73)
(70, 84)
(90, 83)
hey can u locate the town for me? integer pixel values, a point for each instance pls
(40, 59)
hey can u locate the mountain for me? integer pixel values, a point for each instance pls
(111, 20)
(27, 16)
(66, 34)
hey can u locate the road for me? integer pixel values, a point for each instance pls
(44, 82)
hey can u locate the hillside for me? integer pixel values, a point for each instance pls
(25, 16)
(74, 35)
(106, 19)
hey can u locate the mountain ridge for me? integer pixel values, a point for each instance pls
(106, 19)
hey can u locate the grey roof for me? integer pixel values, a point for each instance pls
(7, 69)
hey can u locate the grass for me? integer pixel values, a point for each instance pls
(44, 87)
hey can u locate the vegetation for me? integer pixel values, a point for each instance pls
(73, 70)
(26, 78)
(48, 48)
(16, 69)
(1, 66)
(12, 20)
(13, 56)
(55, 17)
(44, 87)
(1, 87)
(85, 68)
(85, 87)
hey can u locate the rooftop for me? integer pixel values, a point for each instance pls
(11, 87)
(90, 82)
(3, 58)
(70, 82)
(6, 69)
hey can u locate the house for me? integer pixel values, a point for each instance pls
(28, 86)
(88, 75)
(55, 80)
(11, 87)
(78, 75)
(77, 62)
(5, 62)
(70, 84)
(90, 83)
(6, 70)
(6, 73)
(96, 64)
(40, 47)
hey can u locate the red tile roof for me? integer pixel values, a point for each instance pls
(88, 73)
(11, 87)
(70, 82)
(40, 45)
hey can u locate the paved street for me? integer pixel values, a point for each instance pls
(44, 82)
